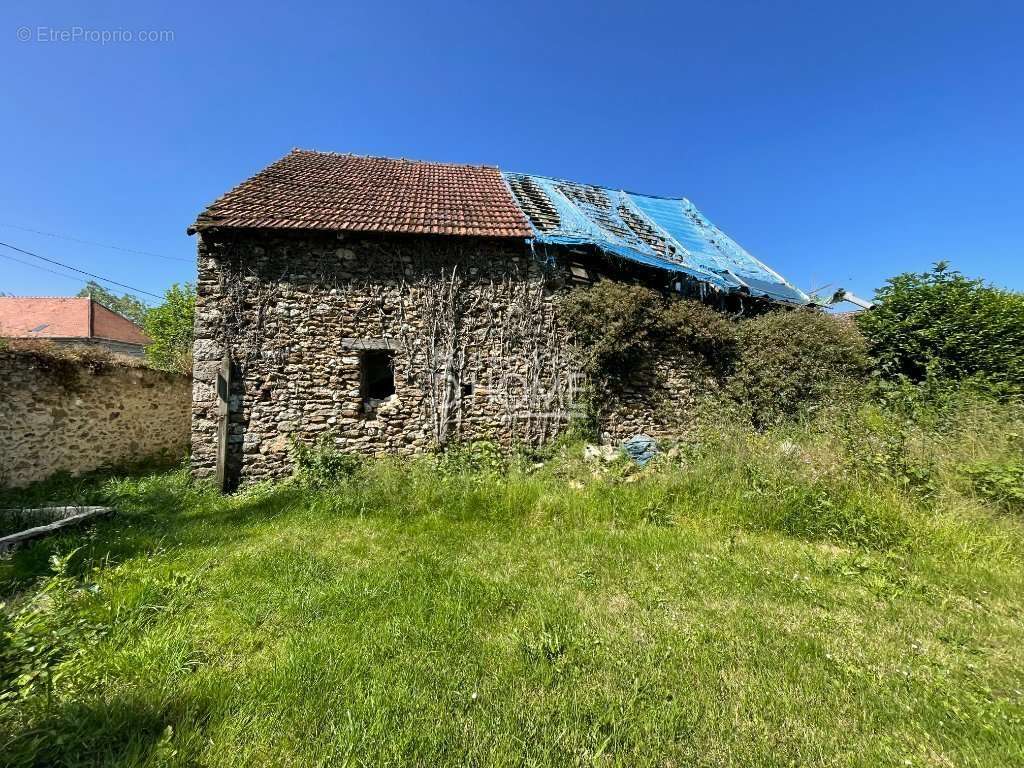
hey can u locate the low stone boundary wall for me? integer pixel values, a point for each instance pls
(62, 412)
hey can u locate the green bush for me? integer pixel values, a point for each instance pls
(942, 324)
(612, 325)
(788, 361)
(477, 457)
(695, 327)
(999, 482)
(774, 365)
(878, 443)
(617, 326)
(37, 635)
(322, 464)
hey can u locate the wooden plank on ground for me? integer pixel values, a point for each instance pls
(79, 516)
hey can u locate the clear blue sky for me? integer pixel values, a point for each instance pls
(838, 144)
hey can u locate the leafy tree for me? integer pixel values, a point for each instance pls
(127, 305)
(169, 325)
(940, 323)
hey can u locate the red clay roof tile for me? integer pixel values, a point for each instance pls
(321, 190)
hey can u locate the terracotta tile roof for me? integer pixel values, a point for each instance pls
(46, 317)
(320, 190)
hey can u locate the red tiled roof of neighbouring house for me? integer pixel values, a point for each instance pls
(327, 191)
(45, 317)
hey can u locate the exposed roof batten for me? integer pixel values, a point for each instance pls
(669, 233)
(308, 190)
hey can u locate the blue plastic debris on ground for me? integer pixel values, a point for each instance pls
(640, 448)
(665, 233)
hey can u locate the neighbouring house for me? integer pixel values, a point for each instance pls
(70, 320)
(398, 305)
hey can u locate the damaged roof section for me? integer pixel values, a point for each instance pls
(535, 204)
(669, 233)
(341, 192)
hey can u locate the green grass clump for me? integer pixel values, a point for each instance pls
(835, 592)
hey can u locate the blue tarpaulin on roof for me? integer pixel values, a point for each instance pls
(666, 233)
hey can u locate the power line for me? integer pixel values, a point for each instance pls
(98, 245)
(44, 269)
(80, 271)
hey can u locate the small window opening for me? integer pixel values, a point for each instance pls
(378, 377)
(468, 389)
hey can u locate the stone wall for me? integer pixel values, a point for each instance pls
(477, 348)
(62, 414)
(117, 347)
(661, 399)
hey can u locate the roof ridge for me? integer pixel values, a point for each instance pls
(328, 153)
(51, 298)
(560, 180)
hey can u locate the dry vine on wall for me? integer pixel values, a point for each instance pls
(456, 327)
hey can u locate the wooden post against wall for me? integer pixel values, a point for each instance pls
(223, 420)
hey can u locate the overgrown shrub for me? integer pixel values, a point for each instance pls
(877, 443)
(942, 324)
(695, 327)
(614, 324)
(322, 464)
(999, 482)
(476, 457)
(41, 633)
(617, 326)
(788, 361)
(774, 365)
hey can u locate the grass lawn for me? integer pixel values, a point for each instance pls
(757, 602)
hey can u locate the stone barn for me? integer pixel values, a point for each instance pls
(398, 306)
